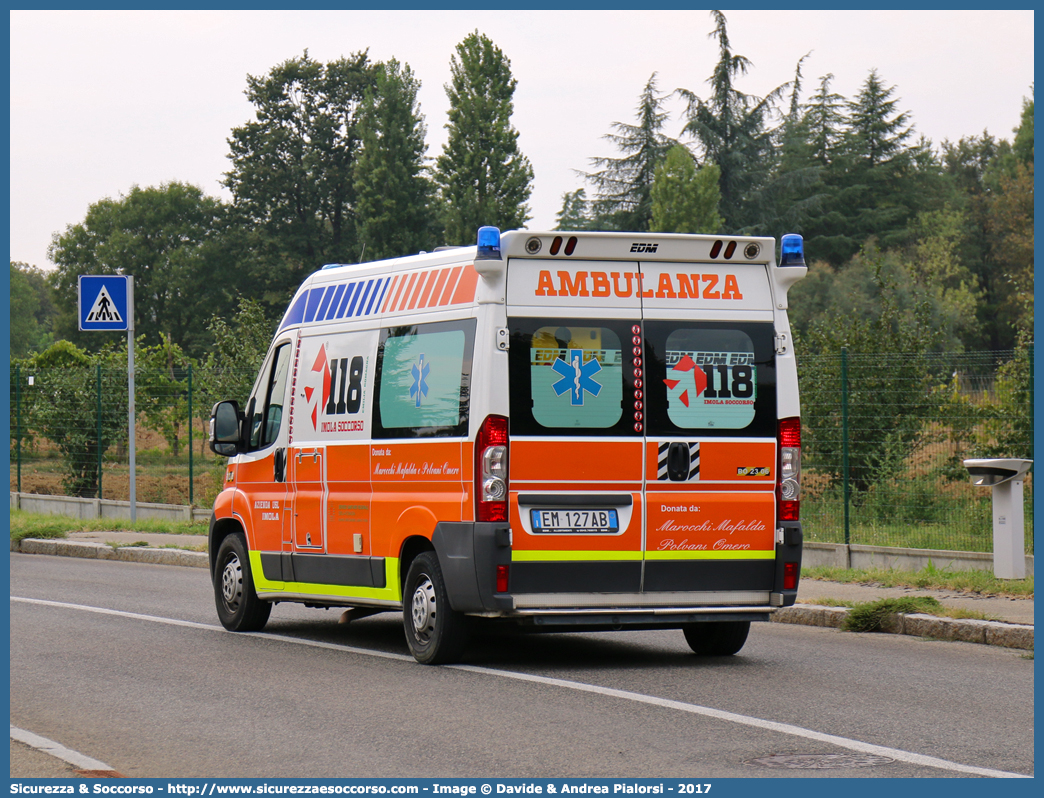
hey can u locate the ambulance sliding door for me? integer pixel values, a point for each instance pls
(329, 458)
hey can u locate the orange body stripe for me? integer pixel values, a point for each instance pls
(423, 278)
(450, 285)
(434, 299)
(423, 303)
(466, 287)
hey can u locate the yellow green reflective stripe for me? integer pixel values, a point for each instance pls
(389, 593)
(570, 556)
(710, 555)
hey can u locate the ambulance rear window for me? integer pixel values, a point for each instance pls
(707, 376)
(568, 377)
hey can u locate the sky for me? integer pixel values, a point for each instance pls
(102, 101)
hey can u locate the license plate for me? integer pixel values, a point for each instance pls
(552, 522)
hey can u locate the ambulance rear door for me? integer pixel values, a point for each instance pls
(576, 420)
(710, 436)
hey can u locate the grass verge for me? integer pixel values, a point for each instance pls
(33, 525)
(867, 616)
(929, 578)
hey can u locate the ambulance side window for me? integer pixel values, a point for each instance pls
(268, 402)
(422, 385)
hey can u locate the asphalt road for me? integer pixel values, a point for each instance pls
(157, 689)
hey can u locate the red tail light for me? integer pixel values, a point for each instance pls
(491, 470)
(788, 475)
(790, 575)
(502, 579)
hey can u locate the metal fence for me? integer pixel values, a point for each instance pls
(883, 440)
(884, 437)
(69, 433)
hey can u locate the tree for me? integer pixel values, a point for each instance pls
(64, 407)
(161, 389)
(875, 184)
(937, 267)
(1010, 223)
(575, 211)
(168, 239)
(239, 350)
(394, 194)
(482, 176)
(32, 310)
(731, 129)
(876, 130)
(889, 393)
(293, 168)
(1023, 145)
(685, 200)
(625, 184)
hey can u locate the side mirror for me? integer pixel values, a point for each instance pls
(225, 429)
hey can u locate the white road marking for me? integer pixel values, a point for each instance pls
(694, 709)
(58, 750)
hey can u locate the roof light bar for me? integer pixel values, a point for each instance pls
(488, 243)
(792, 250)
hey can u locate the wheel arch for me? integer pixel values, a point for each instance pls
(411, 547)
(221, 528)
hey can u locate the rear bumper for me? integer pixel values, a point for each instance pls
(611, 593)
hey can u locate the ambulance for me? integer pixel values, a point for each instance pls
(561, 431)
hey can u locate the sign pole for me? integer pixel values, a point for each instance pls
(130, 396)
(106, 303)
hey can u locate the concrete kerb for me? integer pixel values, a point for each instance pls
(101, 551)
(995, 633)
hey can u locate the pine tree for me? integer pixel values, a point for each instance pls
(731, 130)
(624, 184)
(575, 213)
(482, 176)
(824, 118)
(394, 194)
(876, 131)
(793, 192)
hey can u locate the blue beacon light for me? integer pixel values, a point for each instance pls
(792, 250)
(488, 243)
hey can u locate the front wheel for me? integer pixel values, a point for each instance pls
(238, 607)
(436, 634)
(716, 638)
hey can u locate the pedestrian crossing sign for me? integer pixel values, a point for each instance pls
(103, 302)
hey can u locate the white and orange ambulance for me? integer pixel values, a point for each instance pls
(564, 431)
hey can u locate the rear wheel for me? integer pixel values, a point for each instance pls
(436, 634)
(238, 607)
(716, 638)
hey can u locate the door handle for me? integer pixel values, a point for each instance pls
(678, 462)
(279, 463)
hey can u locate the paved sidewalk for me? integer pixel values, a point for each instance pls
(158, 540)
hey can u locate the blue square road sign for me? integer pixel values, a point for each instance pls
(103, 302)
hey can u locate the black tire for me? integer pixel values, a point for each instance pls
(435, 633)
(238, 607)
(716, 638)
